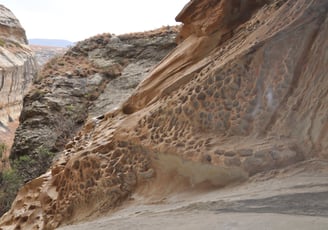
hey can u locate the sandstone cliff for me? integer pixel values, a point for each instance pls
(17, 69)
(10, 26)
(244, 92)
(17, 66)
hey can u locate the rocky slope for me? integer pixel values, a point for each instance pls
(90, 78)
(17, 68)
(244, 92)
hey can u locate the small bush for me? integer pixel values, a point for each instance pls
(30, 167)
(10, 182)
(25, 168)
(36, 94)
(45, 155)
(70, 108)
(2, 42)
(26, 160)
(3, 148)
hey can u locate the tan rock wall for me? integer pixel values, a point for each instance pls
(10, 26)
(224, 105)
(17, 66)
(16, 75)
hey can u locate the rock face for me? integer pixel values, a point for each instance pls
(17, 70)
(16, 64)
(91, 78)
(244, 92)
(10, 26)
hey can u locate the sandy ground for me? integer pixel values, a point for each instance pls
(293, 198)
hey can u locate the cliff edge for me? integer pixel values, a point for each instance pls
(17, 69)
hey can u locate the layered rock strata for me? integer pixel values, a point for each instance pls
(10, 26)
(17, 70)
(244, 92)
(17, 67)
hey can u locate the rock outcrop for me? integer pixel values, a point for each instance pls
(90, 79)
(10, 27)
(16, 64)
(17, 69)
(244, 92)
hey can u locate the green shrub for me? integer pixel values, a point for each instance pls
(30, 167)
(10, 182)
(3, 148)
(37, 94)
(45, 155)
(25, 168)
(70, 108)
(2, 42)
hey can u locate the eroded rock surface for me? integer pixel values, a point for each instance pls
(17, 70)
(10, 26)
(244, 92)
(17, 67)
(91, 78)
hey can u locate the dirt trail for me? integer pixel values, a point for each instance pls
(293, 198)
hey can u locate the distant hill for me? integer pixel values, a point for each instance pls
(50, 42)
(43, 54)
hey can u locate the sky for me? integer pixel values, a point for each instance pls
(75, 20)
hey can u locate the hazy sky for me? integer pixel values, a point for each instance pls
(76, 20)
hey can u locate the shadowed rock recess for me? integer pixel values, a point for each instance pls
(245, 91)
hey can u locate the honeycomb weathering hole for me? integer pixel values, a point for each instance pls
(128, 109)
